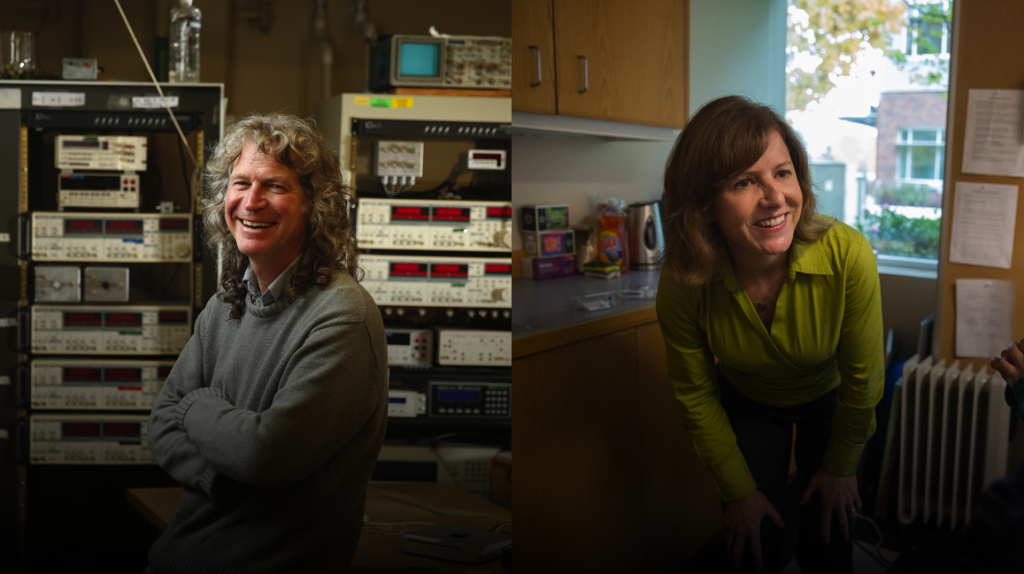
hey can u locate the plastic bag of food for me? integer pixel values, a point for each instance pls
(612, 238)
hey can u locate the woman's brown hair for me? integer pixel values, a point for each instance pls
(725, 137)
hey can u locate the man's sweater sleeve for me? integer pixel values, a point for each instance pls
(333, 389)
(170, 445)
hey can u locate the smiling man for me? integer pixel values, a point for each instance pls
(274, 413)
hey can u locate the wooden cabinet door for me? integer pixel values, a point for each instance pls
(533, 57)
(579, 481)
(629, 57)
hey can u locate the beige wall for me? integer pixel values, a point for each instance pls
(279, 70)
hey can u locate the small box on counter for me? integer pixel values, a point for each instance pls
(548, 267)
(543, 217)
(551, 242)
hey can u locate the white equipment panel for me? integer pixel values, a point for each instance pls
(89, 439)
(98, 190)
(435, 224)
(438, 281)
(406, 404)
(412, 348)
(465, 347)
(96, 384)
(58, 284)
(111, 237)
(127, 330)
(399, 159)
(119, 153)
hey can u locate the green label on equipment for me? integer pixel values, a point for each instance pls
(380, 102)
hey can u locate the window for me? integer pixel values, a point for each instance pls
(867, 94)
(920, 157)
(927, 32)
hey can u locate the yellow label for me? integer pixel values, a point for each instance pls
(401, 102)
(362, 101)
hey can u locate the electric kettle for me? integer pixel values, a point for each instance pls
(646, 239)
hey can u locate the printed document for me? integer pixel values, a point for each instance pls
(994, 136)
(984, 317)
(984, 216)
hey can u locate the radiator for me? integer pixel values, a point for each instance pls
(954, 440)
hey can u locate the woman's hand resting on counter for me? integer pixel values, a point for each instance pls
(742, 521)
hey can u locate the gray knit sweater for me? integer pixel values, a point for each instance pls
(273, 424)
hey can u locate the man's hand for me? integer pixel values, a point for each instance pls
(742, 520)
(839, 495)
(1010, 362)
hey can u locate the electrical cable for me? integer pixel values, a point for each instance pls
(391, 528)
(184, 171)
(428, 509)
(500, 526)
(495, 438)
(876, 553)
(163, 99)
(437, 455)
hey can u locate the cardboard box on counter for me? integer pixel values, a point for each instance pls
(551, 242)
(548, 267)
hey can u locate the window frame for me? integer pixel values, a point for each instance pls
(939, 145)
(909, 34)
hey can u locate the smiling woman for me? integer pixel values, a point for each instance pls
(772, 319)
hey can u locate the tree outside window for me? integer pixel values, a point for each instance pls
(867, 93)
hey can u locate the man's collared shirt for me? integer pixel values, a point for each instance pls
(274, 291)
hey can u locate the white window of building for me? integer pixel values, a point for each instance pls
(921, 155)
(927, 33)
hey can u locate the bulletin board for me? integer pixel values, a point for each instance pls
(987, 56)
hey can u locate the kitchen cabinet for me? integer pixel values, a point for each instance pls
(606, 477)
(609, 60)
(533, 57)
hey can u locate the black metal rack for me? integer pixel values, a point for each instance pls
(73, 515)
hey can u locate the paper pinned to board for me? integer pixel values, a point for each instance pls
(984, 218)
(984, 317)
(993, 138)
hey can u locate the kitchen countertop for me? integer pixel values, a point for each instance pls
(545, 307)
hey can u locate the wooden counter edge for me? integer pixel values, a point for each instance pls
(530, 344)
(157, 505)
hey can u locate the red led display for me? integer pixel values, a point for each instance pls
(407, 212)
(83, 226)
(497, 269)
(80, 429)
(123, 320)
(122, 429)
(451, 214)
(173, 225)
(449, 270)
(409, 269)
(79, 319)
(162, 372)
(124, 226)
(123, 375)
(178, 317)
(81, 375)
(485, 155)
(500, 212)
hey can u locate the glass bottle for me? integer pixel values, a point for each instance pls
(186, 20)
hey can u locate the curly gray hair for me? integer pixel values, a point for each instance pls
(299, 145)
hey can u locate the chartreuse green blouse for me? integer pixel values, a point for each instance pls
(826, 334)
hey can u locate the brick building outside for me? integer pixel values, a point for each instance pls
(911, 134)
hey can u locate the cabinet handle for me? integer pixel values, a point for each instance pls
(537, 83)
(586, 74)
